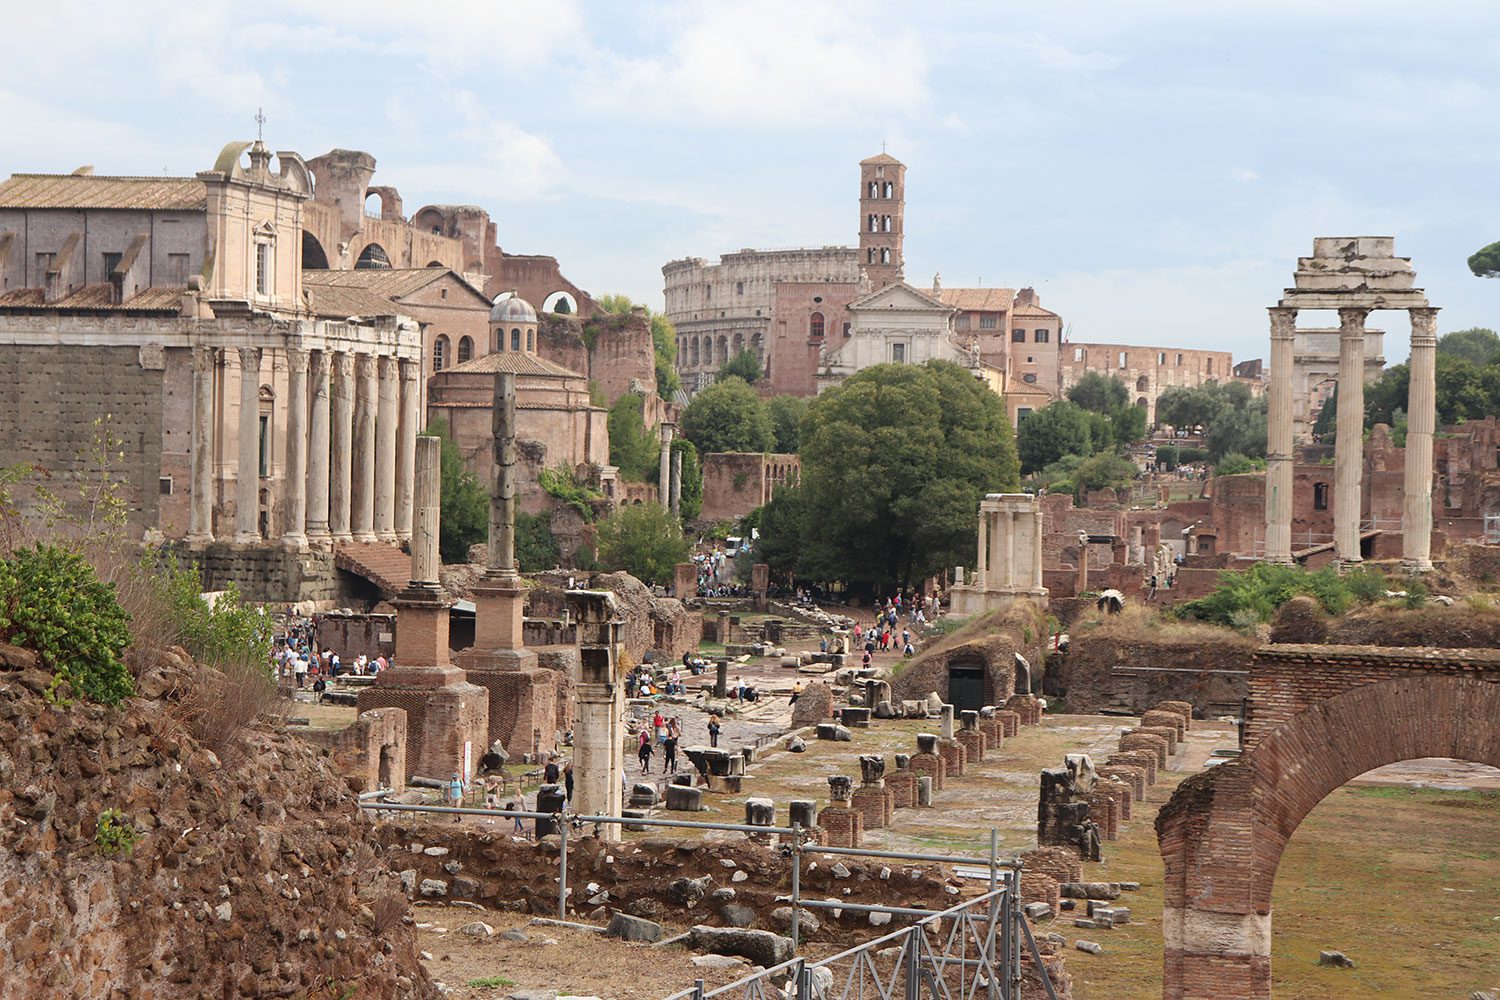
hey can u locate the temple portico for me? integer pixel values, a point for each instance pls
(1354, 275)
(1009, 564)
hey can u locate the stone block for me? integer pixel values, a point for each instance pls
(681, 798)
(628, 928)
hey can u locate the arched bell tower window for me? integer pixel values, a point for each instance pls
(815, 326)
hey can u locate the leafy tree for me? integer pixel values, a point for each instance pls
(1046, 435)
(690, 499)
(615, 305)
(1099, 392)
(562, 308)
(536, 546)
(1168, 456)
(786, 414)
(744, 365)
(633, 449)
(783, 525)
(664, 340)
(1105, 470)
(1128, 423)
(1234, 463)
(1485, 262)
(728, 416)
(1186, 407)
(644, 540)
(1477, 344)
(465, 515)
(1101, 432)
(221, 634)
(1237, 429)
(894, 463)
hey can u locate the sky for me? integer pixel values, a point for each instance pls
(1152, 168)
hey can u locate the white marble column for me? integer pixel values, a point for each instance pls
(247, 485)
(981, 569)
(296, 448)
(341, 449)
(1348, 449)
(386, 411)
(425, 563)
(1009, 577)
(317, 451)
(201, 512)
(406, 451)
(1036, 541)
(362, 506)
(1279, 438)
(1421, 422)
(664, 481)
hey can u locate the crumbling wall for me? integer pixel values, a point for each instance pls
(1128, 667)
(991, 640)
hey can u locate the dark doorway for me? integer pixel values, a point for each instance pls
(966, 686)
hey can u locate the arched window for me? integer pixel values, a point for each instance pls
(885, 255)
(440, 353)
(873, 186)
(531, 340)
(739, 343)
(871, 255)
(465, 349)
(874, 224)
(885, 223)
(515, 339)
(1142, 384)
(723, 352)
(693, 350)
(815, 326)
(759, 347)
(890, 189)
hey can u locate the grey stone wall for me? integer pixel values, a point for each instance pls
(265, 573)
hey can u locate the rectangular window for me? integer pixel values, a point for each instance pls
(962, 323)
(111, 261)
(987, 322)
(177, 268)
(164, 486)
(1161, 357)
(265, 444)
(1210, 366)
(1042, 336)
(1123, 358)
(1077, 354)
(739, 288)
(898, 353)
(1022, 412)
(1179, 359)
(1018, 336)
(263, 275)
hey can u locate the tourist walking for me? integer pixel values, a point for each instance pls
(644, 753)
(714, 726)
(456, 794)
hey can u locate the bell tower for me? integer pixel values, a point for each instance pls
(882, 211)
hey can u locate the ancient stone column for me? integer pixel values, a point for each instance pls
(945, 723)
(425, 563)
(981, 571)
(247, 485)
(1036, 561)
(1279, 438)
(317, 452)
(664, 480)
(362, 507)
(341, 449)
(1348, 449)
(295, 534)
(387, 390)
(1421, 422)
(201, 523)
(676, 484)
(406, 448)
(1009, 576)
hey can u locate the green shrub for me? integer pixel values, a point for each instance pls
(1244, 620)
(1262, 589)
(1416, 594)
(115, 834)
(562, 484)
(225, 631)
(53, 603)
(1366, 585)
(536, 545)
(645, 540)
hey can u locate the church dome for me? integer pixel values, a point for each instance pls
(512, 309)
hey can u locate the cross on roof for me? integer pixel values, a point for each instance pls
(882, 145)
(260, 124)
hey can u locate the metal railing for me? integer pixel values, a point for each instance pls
(995, 936)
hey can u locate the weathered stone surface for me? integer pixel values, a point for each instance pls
(760, 812)
(737, 915)
(477, 929)
(1092, 947)
(760, 947)
(1335, 960)
(807, 923)
(681, 798)
(834, 731)
(688, 891)
(628, 928)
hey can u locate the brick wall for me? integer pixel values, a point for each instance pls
(1105, 671)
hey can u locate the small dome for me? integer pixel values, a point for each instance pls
(511, 308)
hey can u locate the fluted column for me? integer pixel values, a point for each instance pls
(1421, 422)
(1036, 564)
(1010, 547)
(385, 450)
(317, 451)
(981, 570)
(425, 563)
(1279, 438)
(341, 450)
(1348, 449)
(362, 506)
(406, 451)
(296, 448)
(201, 511)
(664, 480)
(247, 485)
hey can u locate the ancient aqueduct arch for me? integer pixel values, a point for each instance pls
(1223, 832)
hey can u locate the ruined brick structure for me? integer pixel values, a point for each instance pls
(1317, 717)
(735, 483)
(1147, 371)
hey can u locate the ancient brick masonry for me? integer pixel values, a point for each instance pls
(1143, 758)
(926, 762)
(842, 825)
(1063, 809)
(1156, 744)
(902, 785)
(872, 799)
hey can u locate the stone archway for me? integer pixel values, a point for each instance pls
(1223, 832)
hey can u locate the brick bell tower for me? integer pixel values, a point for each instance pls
(882, 219)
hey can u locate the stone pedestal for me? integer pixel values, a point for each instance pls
(842, 825)
(927, 761)
(598, 746)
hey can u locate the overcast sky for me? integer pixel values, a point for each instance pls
(1152, 168)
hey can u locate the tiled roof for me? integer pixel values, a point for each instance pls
(514, 361)
(881, 158)
(182, 194)
(338, 302)
(978, 299)
(96, 297)
(391, 282)
(1037, 311)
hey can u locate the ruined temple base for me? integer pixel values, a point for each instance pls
(842, 827)
(447, 718)
(522, 697)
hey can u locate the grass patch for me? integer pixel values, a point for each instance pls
(490, 983)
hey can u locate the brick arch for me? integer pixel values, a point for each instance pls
(1223, 832)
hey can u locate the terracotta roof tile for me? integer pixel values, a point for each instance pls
(519, 363)
(338, 302)
(96, 297)
(183, 194)
(390, 282)
(978, 299)
(1036, 311)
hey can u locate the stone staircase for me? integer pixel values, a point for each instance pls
(382, 563)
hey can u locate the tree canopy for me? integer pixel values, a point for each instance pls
(690, 499)
(1477, 344)
(1485, 262)
(1099, 392)
(894, 463)
(728, 416)
(744, 366)
(1048, 434)
(786, 414)
(633, 449)
(464, 518)
(644, 540)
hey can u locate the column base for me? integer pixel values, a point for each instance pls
(201, 538)
(247, 538)
(1416, 565)
(389, 537)
(366, 537)
(342, 536)
(1344, 562)
(294, 540)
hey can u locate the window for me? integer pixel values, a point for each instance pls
(1018, 336)
(885, 255)
(1142, 384)
(1320, 496)
(443, 294)
(870, 254)
(44, 263)
(177, 268)
(531, 340)
(1124, 357)
(846, 330)
(1030, 360)
(889, 189)
(708, 291)
(815, 326)
(164, 486)
(440, 354)
(515, 339)
(988, 322)
(739, 288)
(265, 444)
(1077, 354)
(1029, 378)
(880, 171)
(1179, 359)
(874, 188)
(1042, 336)
(885, 223)
(962, 323)
(264, 275)
(1022, 412)
(874, 224)
(465, 349)
(111, 261)
(898, 353)
(1161, 357)
(1210, 366)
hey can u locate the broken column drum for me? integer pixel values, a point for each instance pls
(802, 813)
(840, 789)
(1063, 811)
(598, 746)
(872, 769)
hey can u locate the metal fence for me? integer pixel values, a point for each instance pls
(980, 947)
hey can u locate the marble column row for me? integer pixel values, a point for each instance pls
(998, 568)
(351, 430)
